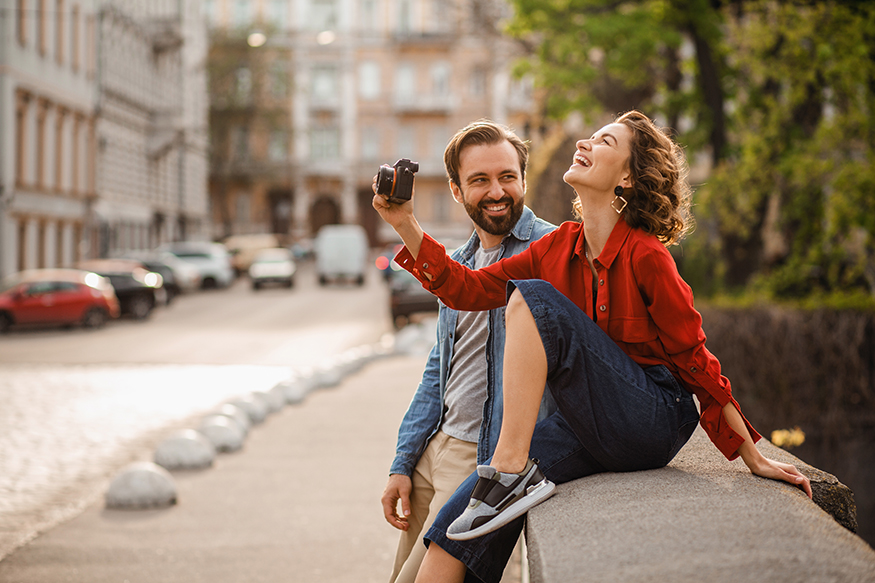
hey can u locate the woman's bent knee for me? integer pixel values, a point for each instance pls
(516, 306)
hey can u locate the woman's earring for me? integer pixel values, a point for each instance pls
(619, 196)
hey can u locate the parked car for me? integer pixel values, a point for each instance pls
(272, 266)
(407, 296)
(179, 276)
(211, 259)
(56, 296)
(138, 290)
(244, 248)
(384, 260)
(341, 253)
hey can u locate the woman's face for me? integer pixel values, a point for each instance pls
(601, 163)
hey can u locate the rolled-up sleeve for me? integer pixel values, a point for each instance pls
(670, 304)
(459, 287)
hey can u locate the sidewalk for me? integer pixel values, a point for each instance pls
(299, 502)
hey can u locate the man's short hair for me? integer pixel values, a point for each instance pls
(481, 132)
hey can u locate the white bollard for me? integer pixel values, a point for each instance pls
(185, 450)
(141, 485)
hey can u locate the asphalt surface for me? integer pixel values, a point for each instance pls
(299, 502)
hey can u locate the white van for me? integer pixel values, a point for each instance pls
(341, 253)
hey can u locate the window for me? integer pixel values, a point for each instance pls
(41, 112)
(22, 145)
(242, 15)
(477, 82)
(405, 17)
(325, 144)
(440, 136)
(74, 37)
(407, 143)
(22, 22)
(440, 79)
(405, 82)
(59, 31)
(243, 87)
(243, 208)
(41, 42)
(241, 143)
(441, 15)
(209, 12)
(278, 13)
(370, 143)
(369, 80)
(279, 80)
(369, 15)
(276, 149)
(324, 84)
(323, 15)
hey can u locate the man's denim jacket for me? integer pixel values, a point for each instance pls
(426, 410)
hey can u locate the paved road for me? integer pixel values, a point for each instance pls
(79, 404)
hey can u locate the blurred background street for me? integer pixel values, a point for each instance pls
(78, 403)
(185, 199)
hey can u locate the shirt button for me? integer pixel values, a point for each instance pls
(693, 369)
(602, 308)
(425, 265)
(601, 282)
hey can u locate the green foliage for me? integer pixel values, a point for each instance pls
(780, 94)
(796, 191)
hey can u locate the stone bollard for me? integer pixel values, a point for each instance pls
(255, 408)
(185, 450)
(237, 415)
(141, 485)
(296, 388)
(274, 398)
(223, 432)
(327, 376)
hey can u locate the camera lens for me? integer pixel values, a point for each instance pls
(385, 180)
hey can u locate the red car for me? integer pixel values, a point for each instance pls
(56, 296)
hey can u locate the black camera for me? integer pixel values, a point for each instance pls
(396, 181)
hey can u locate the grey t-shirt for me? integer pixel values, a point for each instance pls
(466, 387)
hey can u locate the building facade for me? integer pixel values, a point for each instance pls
(151, 125)
(104, 109)
(48, 65)
(371, 81)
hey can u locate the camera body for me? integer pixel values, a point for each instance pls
(396, 181)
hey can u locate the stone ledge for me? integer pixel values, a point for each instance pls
(702, 518)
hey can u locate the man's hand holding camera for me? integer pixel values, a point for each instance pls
(393, 199)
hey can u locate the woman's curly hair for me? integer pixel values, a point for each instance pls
(659, 199)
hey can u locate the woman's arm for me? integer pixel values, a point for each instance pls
(400, 217)
(756, 461)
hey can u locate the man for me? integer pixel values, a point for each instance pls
(453, 421)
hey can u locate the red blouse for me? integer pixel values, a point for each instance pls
(643, 305)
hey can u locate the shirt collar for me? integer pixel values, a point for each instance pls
(618, 237)
(521, 231)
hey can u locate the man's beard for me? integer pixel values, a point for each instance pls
(495, 225)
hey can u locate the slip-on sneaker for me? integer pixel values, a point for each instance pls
(498, 498)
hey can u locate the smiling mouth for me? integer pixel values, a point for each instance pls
(582, 160)
(496, 207)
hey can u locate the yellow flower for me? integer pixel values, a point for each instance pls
(788, 438)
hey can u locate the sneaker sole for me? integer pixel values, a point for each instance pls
(543, 490)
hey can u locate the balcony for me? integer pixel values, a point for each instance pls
(423, 104)
(165, 33)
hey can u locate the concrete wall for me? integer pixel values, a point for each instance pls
(702, 518)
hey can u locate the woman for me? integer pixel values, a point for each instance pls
(596, 311)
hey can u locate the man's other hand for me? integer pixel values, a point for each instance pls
(397, 488)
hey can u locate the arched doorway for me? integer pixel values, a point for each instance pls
(281, 206)
(325, 211)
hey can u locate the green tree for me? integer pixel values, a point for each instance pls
(779, 97)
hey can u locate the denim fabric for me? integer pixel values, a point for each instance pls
(612, 416)
(425, 412)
